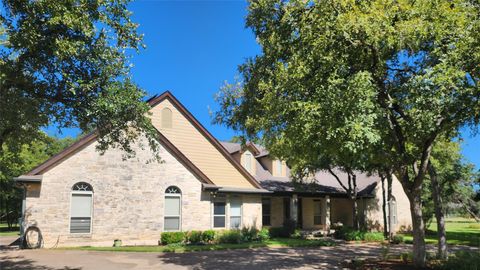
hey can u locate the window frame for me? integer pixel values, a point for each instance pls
(219, 200)
(230, 216)
(165, 216)
(317, 215)
(80, 192)
(248, 160)
(269, 215)
(279, 168)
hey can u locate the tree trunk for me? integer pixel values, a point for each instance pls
(384, 208)
(439, 215)
(389, 199)
(419, 253)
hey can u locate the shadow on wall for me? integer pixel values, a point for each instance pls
(374, 205)
(21, 263)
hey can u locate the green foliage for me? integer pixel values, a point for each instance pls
(66, 63)
(168, 238)
(398, 239)
(249, 234)
(373, 237)
(18, 159)
(263, 235)
(230, 237)
(406, 257)
(462, 260)
(208, 236)
(194, 237)
(287, 230)
(369, 85)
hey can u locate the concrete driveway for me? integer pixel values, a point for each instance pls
(261, 258)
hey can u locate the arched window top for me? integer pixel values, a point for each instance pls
(82, 186)
(173, 190)
(166, 118)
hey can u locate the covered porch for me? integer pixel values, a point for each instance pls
(312, 212)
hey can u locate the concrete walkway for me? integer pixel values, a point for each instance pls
(261, 258)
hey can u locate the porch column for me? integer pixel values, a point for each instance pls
(294, 207)
(327, 213)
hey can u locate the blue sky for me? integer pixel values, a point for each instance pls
(193, 47)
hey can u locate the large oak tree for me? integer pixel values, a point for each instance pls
(413, 65)
(65, 63)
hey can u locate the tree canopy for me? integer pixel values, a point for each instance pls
(65, 64)
(395, 73)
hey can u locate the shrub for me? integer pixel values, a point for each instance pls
(296, 234)
(289, 226)
(462, 260)
(263, 235)
(208, 236)
(230, 237)
(249, 234)
(172, 237)
(194, 237)
(277, 232)
(406, 257)
(398, 239)
(373, 237)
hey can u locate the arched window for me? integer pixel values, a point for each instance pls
(173, 209)
(166, 118)
(81, 208)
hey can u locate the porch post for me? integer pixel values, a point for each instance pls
(327, 213)
(294, 207)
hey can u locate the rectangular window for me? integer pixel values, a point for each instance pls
(81, 213)
(248, 162)
(266, 210)
(235, 213)
(317, 212)
(172, 213)
(279, 168)
(219, 214)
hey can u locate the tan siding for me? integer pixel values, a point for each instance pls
(198, 149)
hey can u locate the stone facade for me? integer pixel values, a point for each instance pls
(128, 199)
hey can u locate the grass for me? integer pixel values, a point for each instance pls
(179, 248)
(460, 231)
(5, 231)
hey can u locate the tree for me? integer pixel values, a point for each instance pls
(65, 63)
(14, 162)
(414, 63)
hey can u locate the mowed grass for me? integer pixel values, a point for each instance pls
(460, 231)
(179, 248)
(5, 231)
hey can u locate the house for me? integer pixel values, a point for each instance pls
(80, 197)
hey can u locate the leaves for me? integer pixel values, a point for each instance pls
(66, 64)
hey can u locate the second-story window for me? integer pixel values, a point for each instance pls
(248, 161)
(279, 168)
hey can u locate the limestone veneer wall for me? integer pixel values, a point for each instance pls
(128, 200)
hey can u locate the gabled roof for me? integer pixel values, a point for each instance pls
(90, 138)
(322, 183)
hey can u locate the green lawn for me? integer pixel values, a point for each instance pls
(4, 231)
(460, 231)
(276, 242)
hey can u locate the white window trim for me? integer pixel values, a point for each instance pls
(173, 195)
(224, 215)
(70, 212)
(269, 212)
(241, 213)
